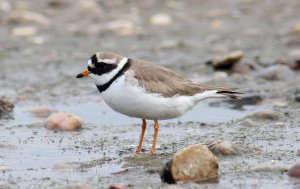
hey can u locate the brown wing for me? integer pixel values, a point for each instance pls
(157, 79)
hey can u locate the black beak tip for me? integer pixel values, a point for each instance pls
(79, 75)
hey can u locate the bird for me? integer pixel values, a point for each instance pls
(140, 89)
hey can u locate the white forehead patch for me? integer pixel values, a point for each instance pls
(90, 64)
(108, 61)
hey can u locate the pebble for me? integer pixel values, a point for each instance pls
(247, 123)
(8, 146)
(161, 19)
(279, 124)
(66, 166)
(244, 67)
(294, 171)
(221, 146)
(58, 3)
(191, 164)
(5, 6)
(26, 17)
(227, 61)
(3, 168)
(266, 168)
(216, 25)
(40, 111)
(277, 72)
(5, 107)
(297, 95)
(121, 27)
(264, 114)
(63, 121)
(220, 75)
(172, 44)
(87, 8)
(24, 31)
(296, 28)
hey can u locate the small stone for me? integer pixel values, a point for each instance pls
(227, 61)
(244, 67)
(277, 72)
(5, 6)
(3, 168)
(87, 8)
(297, 95)
(63, 166)
(296, 28)
(279, 124)
(24, 31)
(216, 25)
(247, 123)
(221, 146)
(58, 3)
(191, 164)
(172, 44)
(26, 17)
(220, 75)
(6, 108)
(294, 171)
(63, 121)
(161, 19)
(38, 40)
(264, 114)
(40, 111)
(264, 168)
(116, 186)
(215, 13)
(8, 146)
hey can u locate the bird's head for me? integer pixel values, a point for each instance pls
(102, 67)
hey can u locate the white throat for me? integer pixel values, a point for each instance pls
(104, 78)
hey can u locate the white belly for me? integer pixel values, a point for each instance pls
(130, 99)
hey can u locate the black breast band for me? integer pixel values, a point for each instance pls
(105, 86)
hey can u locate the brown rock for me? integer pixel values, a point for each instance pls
(63, 121)
(116, 186)
(221, 146)
(264, 114)
(26, 17)
(58, 3)
(5, 107)
(227, 61)
(294, 171)
(40, 111)
(191, 164)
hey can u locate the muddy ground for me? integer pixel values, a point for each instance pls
(41, 55)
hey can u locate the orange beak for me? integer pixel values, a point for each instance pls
(84, 73)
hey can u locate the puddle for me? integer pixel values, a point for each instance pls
(210, 111)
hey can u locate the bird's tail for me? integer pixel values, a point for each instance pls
(230, 93)
(219, 92)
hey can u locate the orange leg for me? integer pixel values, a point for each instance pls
(156, 128)
(139, 149)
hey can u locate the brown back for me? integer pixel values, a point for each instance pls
(157, 79)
